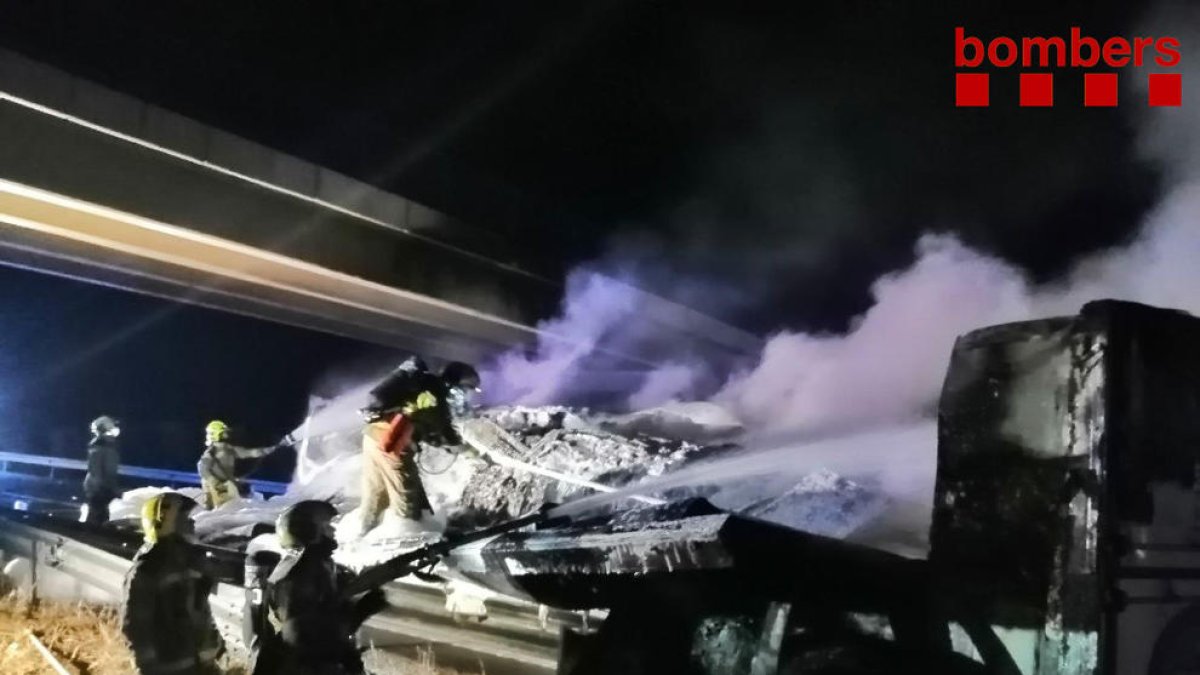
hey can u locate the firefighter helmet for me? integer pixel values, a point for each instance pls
(216, 430)
(105, 426)
(461, 375)
(462, 384)
(166, 514)
(413, 364)
(305, 523)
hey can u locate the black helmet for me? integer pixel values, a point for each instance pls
(413, 364)
(304, 523)
(459, 374)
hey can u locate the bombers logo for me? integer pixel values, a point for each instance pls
(972, 89)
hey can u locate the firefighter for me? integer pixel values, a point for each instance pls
(310, 620)
(166, 616)
(218, 465)
(100, 484)
(409, 407)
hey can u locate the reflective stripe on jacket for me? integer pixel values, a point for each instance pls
(166, 616)
(219, 461)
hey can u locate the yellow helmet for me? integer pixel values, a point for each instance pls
(163, 515)
(216, 430)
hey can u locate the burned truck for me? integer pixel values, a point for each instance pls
(1061, 444)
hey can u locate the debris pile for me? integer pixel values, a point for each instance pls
(694, 421)
(564, 441)
(820, 503)
(617, 451)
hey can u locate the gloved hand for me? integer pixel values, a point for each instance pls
(373, 602)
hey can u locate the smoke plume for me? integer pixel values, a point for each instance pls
(889, 365)
(593, 310)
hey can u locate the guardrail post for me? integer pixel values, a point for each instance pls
(33, 572)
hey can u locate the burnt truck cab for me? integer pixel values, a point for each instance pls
(1064, 446)
(1056, 439)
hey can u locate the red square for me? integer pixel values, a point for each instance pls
(1037, 90)
(1166, 89)
(971, 90)
(1100, 90)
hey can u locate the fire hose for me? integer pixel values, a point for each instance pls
(429, 554)
(506, 460)
(503, 459)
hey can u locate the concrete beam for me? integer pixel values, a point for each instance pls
(91, 103)
(68, 236)
(61, 135)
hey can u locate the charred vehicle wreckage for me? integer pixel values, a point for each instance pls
(1056, 439)
(1049, 538)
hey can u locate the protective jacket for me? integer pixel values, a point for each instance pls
(415, 399)
(103, 459)
(219, 461)
(312, 623)
(101, 483)
(166, 616)
(409, 407)
(218, 470)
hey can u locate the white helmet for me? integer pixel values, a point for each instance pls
(106, 427)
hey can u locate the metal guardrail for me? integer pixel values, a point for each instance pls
(147, 473)
(518, 636)
(98, 574)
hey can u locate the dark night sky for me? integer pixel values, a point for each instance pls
(70, 351)
(805, 143)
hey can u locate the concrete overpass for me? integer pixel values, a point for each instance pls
(105, 188)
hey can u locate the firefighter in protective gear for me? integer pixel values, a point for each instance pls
(311, 621)
(100, 484)
(218, 464)
(411, 406)
(462, 384)
(166, 615)
(257, 632)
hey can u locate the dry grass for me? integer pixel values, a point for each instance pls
(87, 640)
(425, 663)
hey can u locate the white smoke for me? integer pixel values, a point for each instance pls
(1162, 267)
(594, 307)
(665, 384)
(889, 366)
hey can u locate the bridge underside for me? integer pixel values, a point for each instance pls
(100, 187)
(50, 233)
(146, 220)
